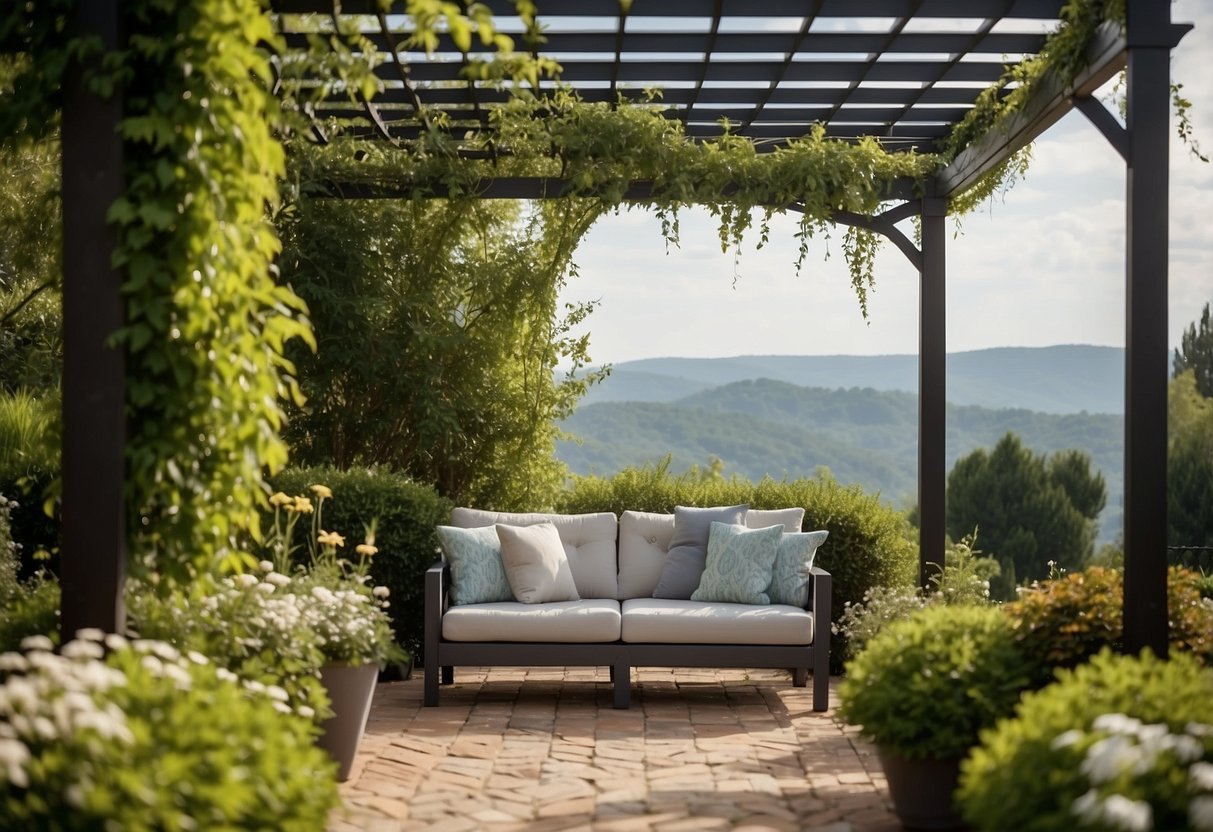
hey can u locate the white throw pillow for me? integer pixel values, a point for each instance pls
(535, 564)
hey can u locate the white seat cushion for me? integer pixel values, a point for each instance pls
(563, 621)
(589, 543)
(662, 621)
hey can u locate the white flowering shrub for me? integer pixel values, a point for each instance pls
(1121, 743)
(273, 628)
(965, 580)
(136, 736)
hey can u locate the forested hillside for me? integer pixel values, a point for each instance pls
(863, 436)
(1059, 379)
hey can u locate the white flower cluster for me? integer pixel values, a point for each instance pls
(861, 621)
(60, 698)
(1132, 749)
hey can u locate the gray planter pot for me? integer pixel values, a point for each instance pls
(351, 690)
(922, 790)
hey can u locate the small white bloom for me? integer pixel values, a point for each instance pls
(1129, 815)
(1200, 775)
(13, 661)
(1067, 739)
(244, 579)
(91, 634)
(381, 592)
(1109, 757)
(37, 643)
(306, 712)
(82, 650)
(277, 579)
(266, 566)
(1117, 724)
(73, 795)
(115, 641)
(197, 658)
(277, 694)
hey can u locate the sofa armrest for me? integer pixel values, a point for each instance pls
(437, 584)
(821, 588)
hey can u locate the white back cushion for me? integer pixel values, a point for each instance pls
(644, 539)
(588, 539)
(789, 518)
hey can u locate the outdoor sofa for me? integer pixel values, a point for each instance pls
(616, 565)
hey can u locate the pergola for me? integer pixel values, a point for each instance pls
(904, 71)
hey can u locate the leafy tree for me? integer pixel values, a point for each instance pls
(31, 318)
(438, 338)
(1030, 509)
(1189, 463)
(1196, 353)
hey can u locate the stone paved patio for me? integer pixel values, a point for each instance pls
(542, 749)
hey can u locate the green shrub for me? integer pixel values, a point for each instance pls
(1064, 621)
(405, 514)
(926, 686)
(32, 611)
(9, 563)
(868, 546)
(147, 739)
(1032, 772)
(36, 533)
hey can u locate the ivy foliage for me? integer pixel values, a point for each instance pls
(207, 324)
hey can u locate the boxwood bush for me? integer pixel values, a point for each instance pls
(869, 545)
(405, 512)
(1120, 742)
(925, 686)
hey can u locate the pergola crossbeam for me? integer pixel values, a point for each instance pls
(1105, 123)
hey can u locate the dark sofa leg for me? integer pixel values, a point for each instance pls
(800, 676)
(448, 675)
(621, 676)
(821, 690)
(431, 685)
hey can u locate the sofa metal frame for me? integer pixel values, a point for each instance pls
(621, 656)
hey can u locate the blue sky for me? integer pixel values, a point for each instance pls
(1043, 265)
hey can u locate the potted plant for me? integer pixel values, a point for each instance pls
(922, 689)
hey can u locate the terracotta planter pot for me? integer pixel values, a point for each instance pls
(351, 690)
(922, 790)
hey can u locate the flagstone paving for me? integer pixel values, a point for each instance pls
(542, 749)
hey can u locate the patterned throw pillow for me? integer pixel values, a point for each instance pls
(790, 577)
(477, 574)
(739, 564)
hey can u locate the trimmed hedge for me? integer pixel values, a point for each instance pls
(407, 513)
(869, 543)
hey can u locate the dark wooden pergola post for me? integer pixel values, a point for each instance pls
(93, 558)
(932, 389)
(1149, 38)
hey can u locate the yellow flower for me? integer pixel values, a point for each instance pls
(330, 539)
(323, 492)
(302, 505)
(366, 549)
(280, 499)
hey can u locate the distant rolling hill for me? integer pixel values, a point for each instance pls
(864, 436)
(1060, 379)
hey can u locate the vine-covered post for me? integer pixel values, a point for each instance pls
(1149, 37)
(932, 390)
(94, 517)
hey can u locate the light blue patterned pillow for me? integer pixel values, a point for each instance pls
(739, 564)
(477, 574)
(790, 577)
